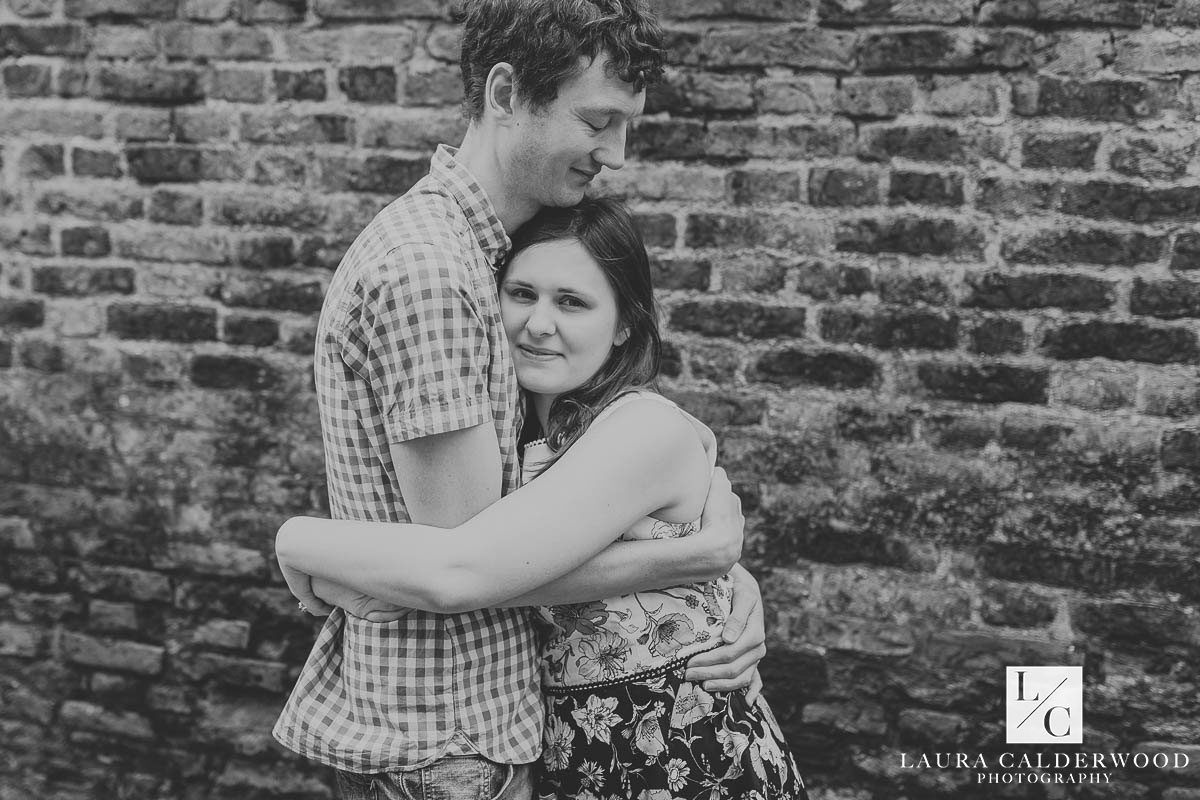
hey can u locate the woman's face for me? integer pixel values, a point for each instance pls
(560, 315)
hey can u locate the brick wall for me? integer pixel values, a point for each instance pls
(929, 268)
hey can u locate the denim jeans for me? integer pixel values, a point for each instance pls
(450, 778)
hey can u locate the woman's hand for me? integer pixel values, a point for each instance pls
(356, 603)
(734, 665)
(722, 526)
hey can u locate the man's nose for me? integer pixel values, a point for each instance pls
(611, 152)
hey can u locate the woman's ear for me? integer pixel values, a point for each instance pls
(622, 337)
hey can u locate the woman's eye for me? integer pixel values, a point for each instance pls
(520, 294)
(573, 302)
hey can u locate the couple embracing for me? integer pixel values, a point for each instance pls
(589, 634)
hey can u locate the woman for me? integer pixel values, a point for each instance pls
(622, 722)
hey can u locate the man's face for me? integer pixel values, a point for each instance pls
(557, 150)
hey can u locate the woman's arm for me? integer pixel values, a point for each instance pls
(643, 459)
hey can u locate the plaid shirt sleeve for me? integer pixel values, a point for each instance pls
(422, 345)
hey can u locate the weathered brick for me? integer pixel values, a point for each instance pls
(80, 201)
(1186, 255)
(219, 558)
(177, 245)
(929, 143)
(1105, 200)
(680, 272)
(275, 210)
(1115, 100)
(858, 12)
(965, 95)
(121, 582)
(282, 295)
(667, 138)
(738, 139)
(748, 186)
(945, 49)
(435, 86)
(96, 163)
(1024, 291)
(758, 9)
(175, 323)
(1158, 51)
(198, 42)
(758, 229)
(175, 208)
(1177, 397)
(81, 715)
(286, 127)
(231, 634)
(19, 313)
(1165, 299)
(155, 9)
(256, 331)
(1068, 150)
(139, 83)
(1138, 623)
(231, 372)
(996, 336)
(306, 84)
(824, 281)
(379, 173)
(927, 188)
(907, 288)
(1122, 341)
(28, 80)
(43, 40)
(834, 369)
(324, 251)
(912, 235)
(266, 251)
(813, 95)
(41, 161)
(843, 187)
(351, 44)
(378, 9)
(164, 163)
(43, 356)
(1162, 157)
(1096, 389)
(32, 8)
(201, 124)
(1129, 13)
(1016, 606)
(279, 169)
(689, 92)
(738, 318)
(109, 617)
(774, 46)
(1016, 198)
(22, 641)
(875, 98)
(112, 654)
(984, 383)
(91, 241)
(239, 86)
(368, 84)
(890, 328)
(143, 124)
(1091, 246)
(272, 10)
(1181, 449)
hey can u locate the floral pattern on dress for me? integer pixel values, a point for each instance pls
(663, 738)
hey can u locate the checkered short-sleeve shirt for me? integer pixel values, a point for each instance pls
(410, 344)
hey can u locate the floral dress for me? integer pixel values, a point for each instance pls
(621, 720)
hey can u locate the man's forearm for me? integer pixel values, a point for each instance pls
(624, 568)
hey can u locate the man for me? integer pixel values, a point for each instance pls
(419, 413)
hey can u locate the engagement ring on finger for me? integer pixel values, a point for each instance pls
(302, 607)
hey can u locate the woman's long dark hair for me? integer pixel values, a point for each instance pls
(606, 230)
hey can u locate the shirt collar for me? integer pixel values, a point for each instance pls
(476, 205)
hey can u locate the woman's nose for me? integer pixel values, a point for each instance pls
(541, 321)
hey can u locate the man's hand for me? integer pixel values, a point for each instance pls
(734, 665)
(356, 603)
(722, 526)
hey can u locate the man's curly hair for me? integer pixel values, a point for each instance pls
(543, 40)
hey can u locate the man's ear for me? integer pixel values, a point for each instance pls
(499, 96)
